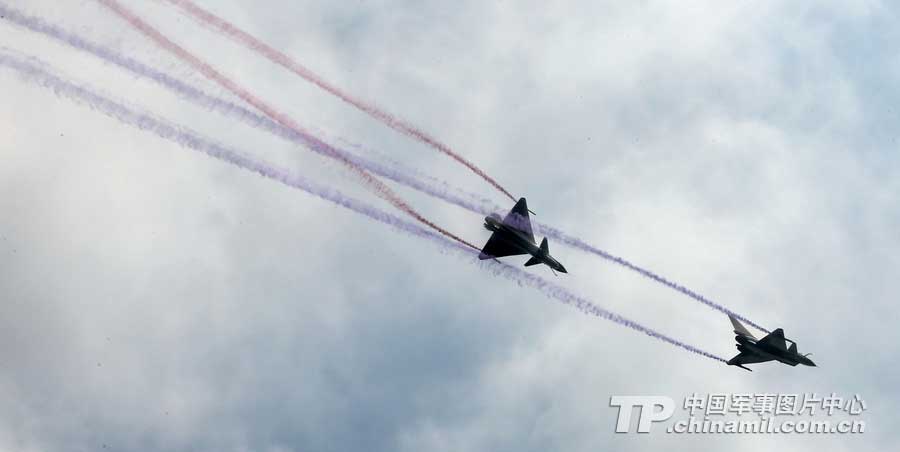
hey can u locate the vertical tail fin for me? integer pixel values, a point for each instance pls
(535, 260)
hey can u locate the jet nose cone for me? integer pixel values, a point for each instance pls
(562, 269)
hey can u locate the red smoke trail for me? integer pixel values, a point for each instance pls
(436, 188)
(280, 58)
(34, 71)
(210, 72)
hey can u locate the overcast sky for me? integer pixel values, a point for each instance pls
(156, 299)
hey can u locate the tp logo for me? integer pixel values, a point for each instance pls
(648, 414)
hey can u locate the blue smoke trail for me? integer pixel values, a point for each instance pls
(35, 72)
(466, 201)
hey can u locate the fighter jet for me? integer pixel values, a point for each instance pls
(773, 347)
(513, 237)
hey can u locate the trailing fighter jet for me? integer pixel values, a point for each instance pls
(773, 347)
(513, 237)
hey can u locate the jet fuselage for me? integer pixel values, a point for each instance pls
(517, 239)
(788, 357)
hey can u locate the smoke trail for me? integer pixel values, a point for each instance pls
(438, 185)
(231, 109)
(466, 200)
(207, 70)
(580, 244)
(290, 64)
(282, 59)
(189, 139)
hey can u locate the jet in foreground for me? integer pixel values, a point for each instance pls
(773, 347)
(513, 237)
